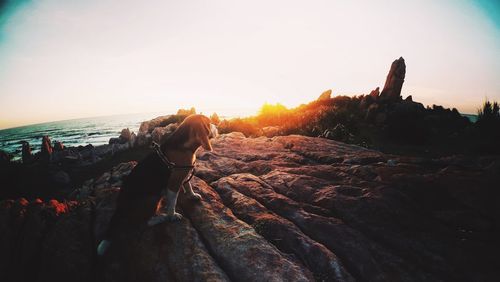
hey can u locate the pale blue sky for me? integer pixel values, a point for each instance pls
(69, 59)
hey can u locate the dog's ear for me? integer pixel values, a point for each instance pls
(202, 136)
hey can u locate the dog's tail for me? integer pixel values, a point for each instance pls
(103, 247)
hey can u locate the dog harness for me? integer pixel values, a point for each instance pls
(171, 165)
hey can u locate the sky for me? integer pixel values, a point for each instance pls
(70, 59)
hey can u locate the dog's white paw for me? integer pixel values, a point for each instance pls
(174, 217)
(163, 217)
(157, 219)
(195, 197)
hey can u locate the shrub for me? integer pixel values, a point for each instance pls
(488, 113)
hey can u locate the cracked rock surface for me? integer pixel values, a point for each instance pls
(288, 208)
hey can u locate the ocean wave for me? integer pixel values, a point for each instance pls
(72, 133)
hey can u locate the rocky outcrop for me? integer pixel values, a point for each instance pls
(58, 146)
(160, 133)
(394, 81)
(46, 149)
(287, 208)
(126, 136)
(271, 131)
(5, 157)
(327, 95)
(375, 93)
(159, 128)
(26, 154)
(150, 125)
(243, 254)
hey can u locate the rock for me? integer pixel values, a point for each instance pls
(143, 139)
(132, 140)
(62, 178)
(67, 248)
(356, 251)
(160, 133)
(5, 157)
(375, 93)
(285, 235)
(27, 156)
(42, 238)
(87, 153)
(271, 131)
(58, 146)
(372, 112)
(125, 134)
(185, 259)
(171, 127)
(126, 137)
(46, 149)
(394, 81)
(392, 162)
(229, 238)
(325, 96)
(285, 208)
(161, 121)
(114, 140)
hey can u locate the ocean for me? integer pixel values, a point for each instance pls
(75, 132)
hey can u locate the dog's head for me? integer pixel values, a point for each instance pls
(194, 131)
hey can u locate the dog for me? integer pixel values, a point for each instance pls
(168, 168)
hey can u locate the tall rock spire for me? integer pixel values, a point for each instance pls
(394, 81)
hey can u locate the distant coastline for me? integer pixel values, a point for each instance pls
(73, 132)
(80, 132)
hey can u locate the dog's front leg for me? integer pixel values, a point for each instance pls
(190, 193)
(171, 199)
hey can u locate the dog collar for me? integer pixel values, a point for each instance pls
(171, 165)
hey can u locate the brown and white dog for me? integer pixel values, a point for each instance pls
(142, 189)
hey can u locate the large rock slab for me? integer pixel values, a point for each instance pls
(285, 235)
(362, 257)
(242, 253)
(285, 208)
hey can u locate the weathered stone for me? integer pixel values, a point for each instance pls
(394, 81)
(160, 133)
(309, 206)
(285, 235)
(375, 93)
(327, 95)
(161, 121)
(271, 131)
(26, 154)
(229, 238)
(361, 256)
(46, 150)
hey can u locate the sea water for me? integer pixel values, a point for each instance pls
(75, 132)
